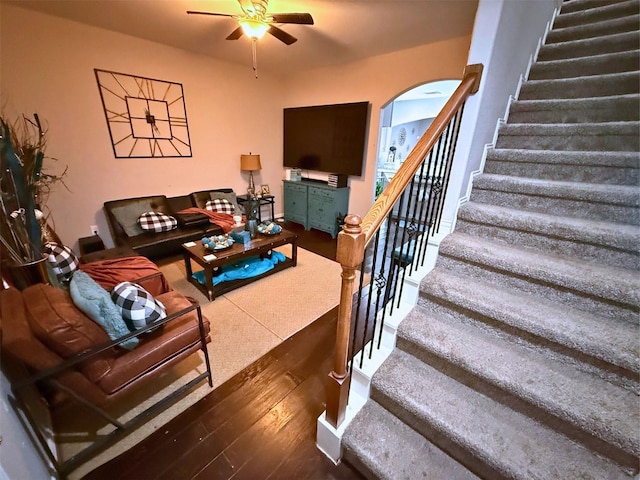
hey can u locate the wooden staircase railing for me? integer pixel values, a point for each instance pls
(357, 233)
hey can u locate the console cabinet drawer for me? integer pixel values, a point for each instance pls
(295, 187)
(322, 211)
(295, 204)
(315, 205)
(321, 192)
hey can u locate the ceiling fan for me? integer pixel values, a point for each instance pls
(254, 21)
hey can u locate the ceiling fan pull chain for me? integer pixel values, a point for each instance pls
(254, 53)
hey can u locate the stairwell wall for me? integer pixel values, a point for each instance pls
(506, 36)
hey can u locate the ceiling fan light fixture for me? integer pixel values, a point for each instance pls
(254, 28)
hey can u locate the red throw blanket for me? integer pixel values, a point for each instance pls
(223, 220)
(108, 273)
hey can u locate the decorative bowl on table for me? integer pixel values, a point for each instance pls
(269, 228)
(217, 242)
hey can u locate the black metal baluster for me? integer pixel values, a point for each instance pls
(383, 282)
(393, 267)
(367, 316)
(410, 231)
(385, 227)
(356, 319)
(436, 188)
(456, 122)
(444, 168)
(417, 213)
(424, 208)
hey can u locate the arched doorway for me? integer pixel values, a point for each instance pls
(403, 121)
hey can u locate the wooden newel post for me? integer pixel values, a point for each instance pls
(350, 254)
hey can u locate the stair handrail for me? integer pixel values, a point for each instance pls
(357, 232)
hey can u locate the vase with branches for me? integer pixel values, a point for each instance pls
(25, 188)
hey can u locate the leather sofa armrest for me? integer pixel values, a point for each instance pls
(155, 283)
(71, 362)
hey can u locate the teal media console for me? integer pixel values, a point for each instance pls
(315, 205)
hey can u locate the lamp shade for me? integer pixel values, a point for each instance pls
(250, 162)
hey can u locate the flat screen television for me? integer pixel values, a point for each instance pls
(326, 138)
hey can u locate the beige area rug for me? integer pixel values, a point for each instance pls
(246, 323)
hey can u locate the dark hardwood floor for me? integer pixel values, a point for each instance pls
(314, 240)
(260, 424)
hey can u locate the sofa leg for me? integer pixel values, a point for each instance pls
(203, 342)
(103, 441)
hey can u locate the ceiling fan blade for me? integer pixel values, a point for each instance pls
(299, 18)
(282, 35)
(236, 34)
(191, 12)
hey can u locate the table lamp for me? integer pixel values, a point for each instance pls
(250, 162)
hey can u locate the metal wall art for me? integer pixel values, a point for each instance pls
(146, 117)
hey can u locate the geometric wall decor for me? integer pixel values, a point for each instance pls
(146, 117)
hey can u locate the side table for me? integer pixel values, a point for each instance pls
(264, 200)
(92, 249)
(90, 244)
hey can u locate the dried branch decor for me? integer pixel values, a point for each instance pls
(25, 188)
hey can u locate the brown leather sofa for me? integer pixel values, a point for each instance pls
(66, 356)
(123, 214)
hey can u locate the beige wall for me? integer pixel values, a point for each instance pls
(46, 67)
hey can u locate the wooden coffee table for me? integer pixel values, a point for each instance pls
(261, 246)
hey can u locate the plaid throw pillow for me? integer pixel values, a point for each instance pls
(220, 205)
(137, 306)
(157, 222)
(62, 259)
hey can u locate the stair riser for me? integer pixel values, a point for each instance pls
(599, 46)
(568, 207)
(624, 161)
(352, 456)
(366, 445)
(587, 66)
(579, 6)
(628, 23)
(619, 110)
(565, 172)
(587, 143)
(584, 87)
(565, 247)
(597, 15)
(439, 436)
(562, 294)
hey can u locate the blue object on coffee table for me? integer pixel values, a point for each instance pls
(247, 268)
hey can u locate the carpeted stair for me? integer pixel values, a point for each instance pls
(521, 359)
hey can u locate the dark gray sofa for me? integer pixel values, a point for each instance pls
(122, 218)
